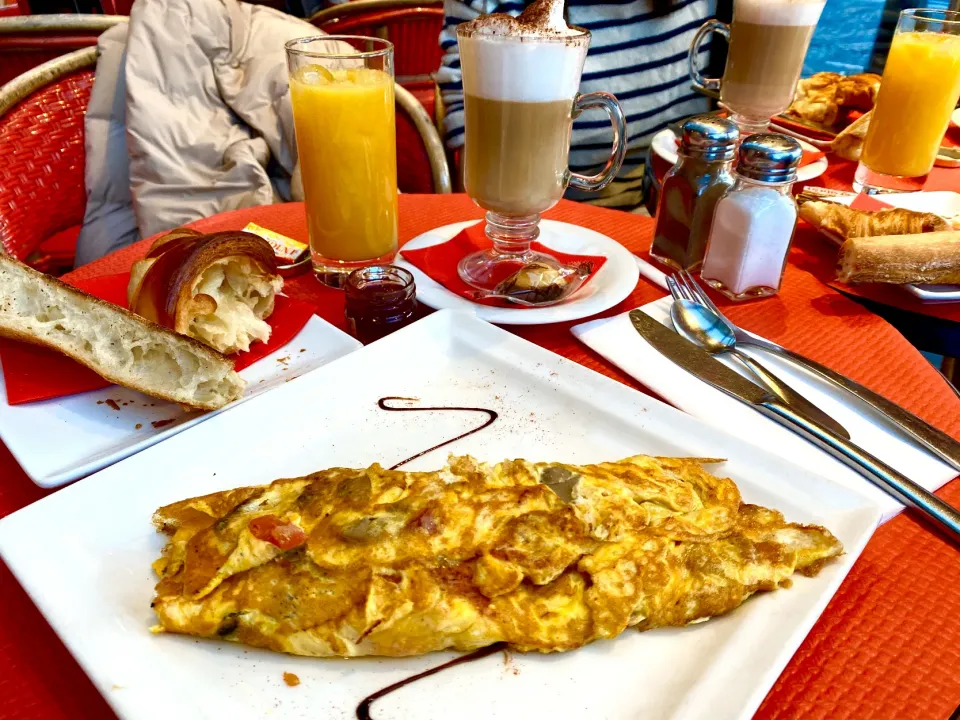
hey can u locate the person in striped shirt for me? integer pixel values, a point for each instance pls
(638, 52)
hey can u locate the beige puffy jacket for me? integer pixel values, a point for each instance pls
(189, 116)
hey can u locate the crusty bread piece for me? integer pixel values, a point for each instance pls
(844, 223)
(899, 259)
(113, 342)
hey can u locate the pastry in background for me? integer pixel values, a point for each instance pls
(830, 101)
(849, 143)
(932, 258)
(122, 347)
(845, 223)
(218, 289)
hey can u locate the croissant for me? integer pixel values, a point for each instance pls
(218, 289)
(828, 100)
(846, 223)
(927, 258)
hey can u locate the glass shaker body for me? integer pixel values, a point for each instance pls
(688, 199)
(750, 238)
(705, 153)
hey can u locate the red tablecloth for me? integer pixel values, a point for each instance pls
(886, 647)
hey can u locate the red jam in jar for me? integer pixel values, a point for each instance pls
(379, 300)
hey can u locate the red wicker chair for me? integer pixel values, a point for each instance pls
(413, 26)
(42, 194)
(27, 41)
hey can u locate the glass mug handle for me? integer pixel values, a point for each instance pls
(609, 103)
(699, 81)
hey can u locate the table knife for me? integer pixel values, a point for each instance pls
(924, 434)
(699, 363)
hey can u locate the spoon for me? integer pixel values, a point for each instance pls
(539, 284)
(702, 327)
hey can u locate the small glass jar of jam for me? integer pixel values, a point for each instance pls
(379, 300)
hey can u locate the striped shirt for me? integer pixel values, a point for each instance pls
(635, 53)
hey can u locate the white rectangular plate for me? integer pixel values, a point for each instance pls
(91, 574)
(59, 440)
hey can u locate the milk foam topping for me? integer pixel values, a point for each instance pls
(778, 12)
(544, 17)
(510, 69)
(501, 58)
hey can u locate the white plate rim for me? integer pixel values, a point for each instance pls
(620, 267)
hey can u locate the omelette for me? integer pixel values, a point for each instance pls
(543, 556)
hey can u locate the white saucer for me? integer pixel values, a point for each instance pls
(664, 144)
(612, 283)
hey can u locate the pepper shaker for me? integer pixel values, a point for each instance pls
(691, 190)
(754, 221)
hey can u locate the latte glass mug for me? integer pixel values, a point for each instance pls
(521, 98)
(768, 42)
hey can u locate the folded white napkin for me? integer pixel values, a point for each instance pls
(616, 340)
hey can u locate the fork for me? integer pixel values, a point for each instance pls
(700, 326)
(938, 443)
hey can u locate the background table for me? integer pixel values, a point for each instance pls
(886, 647)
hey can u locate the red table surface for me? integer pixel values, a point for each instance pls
(887, 645)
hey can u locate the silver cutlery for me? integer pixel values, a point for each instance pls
(701, 327)
(700, 364)
(937, 442)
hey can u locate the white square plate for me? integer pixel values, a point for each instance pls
(91, 574)
(59, 440)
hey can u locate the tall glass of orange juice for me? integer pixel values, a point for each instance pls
(342, 92)
(918, 93)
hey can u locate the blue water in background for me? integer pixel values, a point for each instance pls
(854, 35)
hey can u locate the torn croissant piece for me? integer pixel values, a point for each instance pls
(858, 92)
(544, 556)
(900, 259)
(849, 143)
(218, 289)
(845, 223)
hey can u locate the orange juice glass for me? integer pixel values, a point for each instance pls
(342, 92)
(919, 91)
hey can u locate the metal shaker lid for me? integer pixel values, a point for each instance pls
(709, 136)
(769, 157)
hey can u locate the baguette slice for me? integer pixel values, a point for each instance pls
(899, 259)
(113, 342)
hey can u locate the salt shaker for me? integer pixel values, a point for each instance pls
(691, 189)
(754, 222)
